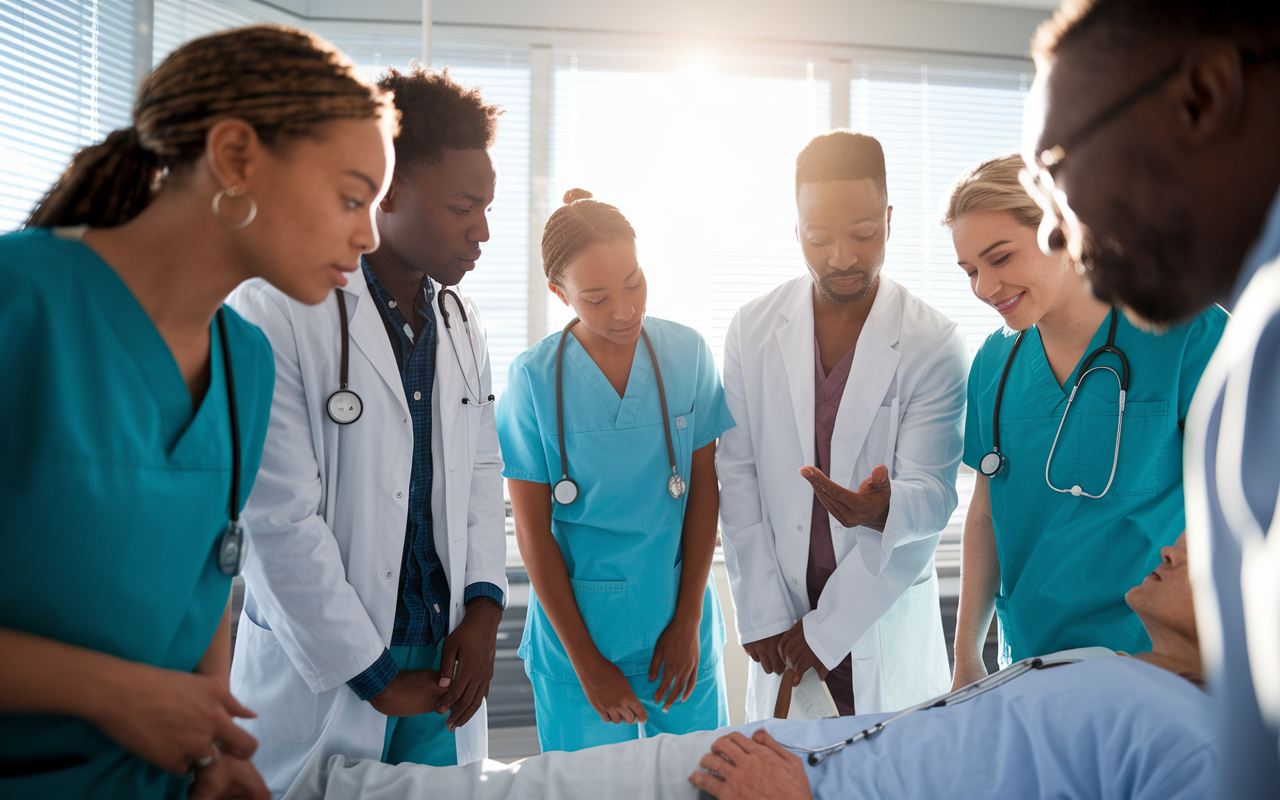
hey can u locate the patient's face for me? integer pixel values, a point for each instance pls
(1164, 597)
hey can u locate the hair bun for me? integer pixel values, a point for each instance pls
(576, 194)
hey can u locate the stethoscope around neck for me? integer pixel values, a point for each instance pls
(345, 406)
(994, 462)
(565, 490)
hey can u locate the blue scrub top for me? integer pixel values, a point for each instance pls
(115, 493)
(621, 538)
(1066, 562)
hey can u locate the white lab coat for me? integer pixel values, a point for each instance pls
(327, 517)
(903, 407)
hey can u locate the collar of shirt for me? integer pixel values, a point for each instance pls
(1266, 248)
(403, 338)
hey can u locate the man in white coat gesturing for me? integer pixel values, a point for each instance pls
(849, 395)
(376, 573)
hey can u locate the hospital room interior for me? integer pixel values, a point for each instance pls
(640, 398)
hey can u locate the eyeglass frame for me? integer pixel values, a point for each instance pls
(1041, 186)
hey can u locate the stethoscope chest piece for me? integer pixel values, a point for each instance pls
(565, 491)
(345, 407)
(676, 486)
(992, 464)
(231, 549)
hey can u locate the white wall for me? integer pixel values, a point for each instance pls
(953, 26)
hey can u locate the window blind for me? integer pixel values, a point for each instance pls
(178, 21)
(66, 81)
(499, 284)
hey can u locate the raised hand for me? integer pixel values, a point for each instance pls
(868, 506)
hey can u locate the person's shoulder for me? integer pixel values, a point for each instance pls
(920, 321)
(539, 356)
(995, 348)
(763, 309)
(248, 344)
(35, 260)
(674, 333)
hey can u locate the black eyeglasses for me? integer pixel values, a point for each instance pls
(1038, 178)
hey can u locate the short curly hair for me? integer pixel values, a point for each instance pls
(437, 114)
(842, 155)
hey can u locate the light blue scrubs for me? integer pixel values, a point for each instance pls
(1106, 729)
(621, 539)
(114, 492)
(1066, 562)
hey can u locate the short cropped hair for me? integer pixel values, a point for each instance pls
(437, 114)
(993, 186)
(842, 155)
(1116, 25)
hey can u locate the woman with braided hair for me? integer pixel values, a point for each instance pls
(608, 433)
(143, 404)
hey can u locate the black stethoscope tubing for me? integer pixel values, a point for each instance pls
(565, 491)
(991, 467)
(231, 549)
(475, 361)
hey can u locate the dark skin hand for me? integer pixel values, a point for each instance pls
(797, 656)
(765, 653)
(229, 778)
(468, 656)
(738, 768)
(869, 506)
(410, 693)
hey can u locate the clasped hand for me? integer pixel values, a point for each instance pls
(789, 649)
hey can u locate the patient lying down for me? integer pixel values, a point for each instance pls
(1103, 727)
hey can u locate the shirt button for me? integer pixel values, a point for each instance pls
(408, 331)
(417, 395)
(391, 303)
(386, 573)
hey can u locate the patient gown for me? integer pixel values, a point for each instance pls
(621, 539)
(1106, 729)
(114, 491)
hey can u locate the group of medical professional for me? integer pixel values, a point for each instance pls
(235, 334)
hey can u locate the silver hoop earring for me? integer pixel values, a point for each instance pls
(235, 226)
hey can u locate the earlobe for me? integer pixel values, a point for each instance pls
(558, 292)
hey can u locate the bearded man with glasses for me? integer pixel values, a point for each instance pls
(1153, 147)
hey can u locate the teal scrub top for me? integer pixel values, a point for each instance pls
(621, 537)
(114, 491)
(1066, 562)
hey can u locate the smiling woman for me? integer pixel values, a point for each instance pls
(253, 152)
(1029, 542)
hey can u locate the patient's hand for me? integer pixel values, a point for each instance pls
(410, 693)
(758, 768)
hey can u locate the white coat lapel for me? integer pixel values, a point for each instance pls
(446, 399)
(369, 335)
(875, 363)
(795, 340)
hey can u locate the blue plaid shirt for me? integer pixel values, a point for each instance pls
(422, 612)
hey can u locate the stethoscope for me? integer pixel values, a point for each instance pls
(817, 755)
(345, 406)
(231, 550)
(566, 489)
(994, 462)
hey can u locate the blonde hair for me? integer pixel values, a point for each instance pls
(993, 186)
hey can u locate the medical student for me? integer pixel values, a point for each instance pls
(257, 152)
(840, 476)
(377, 576)
(609, 431)
(1072, 497)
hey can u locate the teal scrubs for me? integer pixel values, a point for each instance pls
(1066, 562)
(114, 491)
(621, 538)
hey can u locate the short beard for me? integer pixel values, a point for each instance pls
(871, 279)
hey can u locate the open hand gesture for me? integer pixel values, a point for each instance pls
(868, 506)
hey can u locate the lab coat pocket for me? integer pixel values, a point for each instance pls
(264, 679)
(603, 605)
(911, 640)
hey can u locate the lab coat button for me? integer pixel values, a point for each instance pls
(398, 494)
(386, 573)
(795, 582)
(799, 529)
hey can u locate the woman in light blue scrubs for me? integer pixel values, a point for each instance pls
(624, 632)
(137, 405)
(1053, 545)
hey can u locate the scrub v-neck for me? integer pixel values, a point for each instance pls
(181, 418)
(624, 410)
(1051, 392)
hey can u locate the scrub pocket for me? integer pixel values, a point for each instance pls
(603, 605)
(1091, 431)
